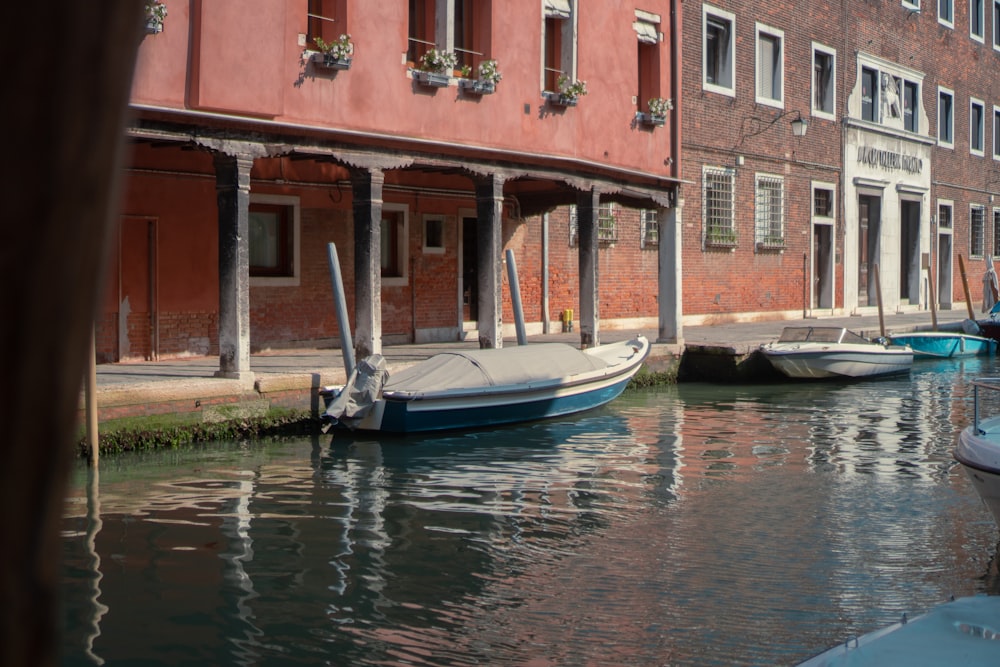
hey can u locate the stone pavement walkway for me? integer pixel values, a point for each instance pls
(742, 337)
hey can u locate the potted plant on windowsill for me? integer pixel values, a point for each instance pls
(720, 238)
(436, 68)
(657, 114)
(569, 92)
(486, 84)
(155, 13)
(334, 55)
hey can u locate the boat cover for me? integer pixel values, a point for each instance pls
(358, 396)
(472, 369)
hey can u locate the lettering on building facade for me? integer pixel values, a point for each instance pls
(876, 157)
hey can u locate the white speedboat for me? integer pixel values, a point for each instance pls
(978, 448)
(832, 352)
(961, 632)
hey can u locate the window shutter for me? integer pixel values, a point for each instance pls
(765, 67)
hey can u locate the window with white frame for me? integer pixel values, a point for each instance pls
(769, 211)
(394, 255)
(273, 239)
(911, 104)
(912, 4)
(649, 228)
(719, 43)
(607, 223)
(890, 95)
(946, 13)
(976, 126)
(977, 230)
(869, 94)
(823, 202)
(454, 26)
(574, 226)
(559, 43)
(824, 80)
(977, 19)
(996, 232)
(946, 117)
(718, 184)
(996, 133)
(647, 30)
(996, 24)
(944, 215)
(433, 234)
(770, 66)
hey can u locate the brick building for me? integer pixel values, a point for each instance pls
(892, 182)
(258, 138)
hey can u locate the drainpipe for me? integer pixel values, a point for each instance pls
(675, 85)
(546, 325)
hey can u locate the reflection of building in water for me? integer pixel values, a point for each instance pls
(277, 548)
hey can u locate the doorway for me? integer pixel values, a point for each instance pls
(909, 252)
(869, 232)
(944, 271)
(470, 271)
(822, 296)
(137, 322)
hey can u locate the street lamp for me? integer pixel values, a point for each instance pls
(799, 125)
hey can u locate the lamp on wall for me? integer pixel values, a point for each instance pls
(799, 125)
(751, 126)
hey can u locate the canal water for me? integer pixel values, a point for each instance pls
(691, 525)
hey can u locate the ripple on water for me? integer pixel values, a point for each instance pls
(691, 525)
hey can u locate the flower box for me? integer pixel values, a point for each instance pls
(477, 86)
(560, 99)
(330, 61)
(654, 120)
(432, 79)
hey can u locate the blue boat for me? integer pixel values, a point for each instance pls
(945, 344)
(464, 389)
(964, 632)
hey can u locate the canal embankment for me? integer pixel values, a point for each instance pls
(166, 402)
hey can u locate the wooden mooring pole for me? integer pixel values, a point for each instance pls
(878, 300)
(965, 286)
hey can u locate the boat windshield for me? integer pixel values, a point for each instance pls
(819, 335)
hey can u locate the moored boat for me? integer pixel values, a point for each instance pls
(944, 344)
(964, 632)
(978, 448)
(830, 352)
(478, 388)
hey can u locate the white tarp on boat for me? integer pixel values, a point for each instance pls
(472, 369)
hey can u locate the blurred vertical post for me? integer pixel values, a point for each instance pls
(91, 398)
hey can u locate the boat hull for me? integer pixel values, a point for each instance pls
(820, 363)
(418, 416)
(942, 344)
(978, 451)
(961, 632)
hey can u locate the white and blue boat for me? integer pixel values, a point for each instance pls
(465, 389)
(813, 353)
(963, 632)
(945, 344)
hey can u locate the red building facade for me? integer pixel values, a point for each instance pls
(251, 150)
